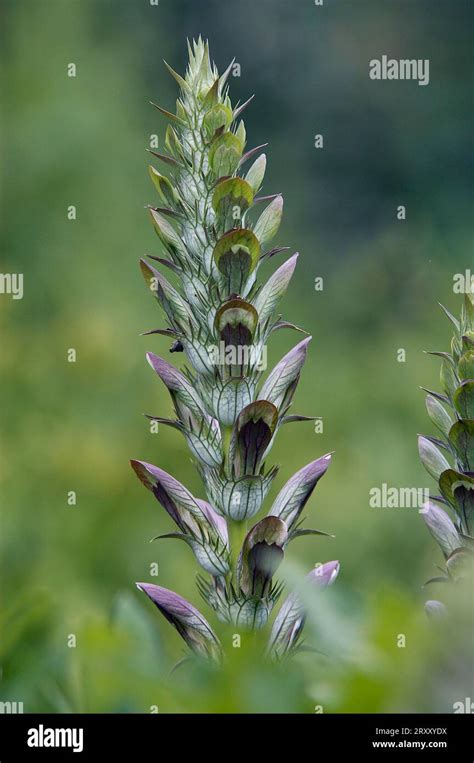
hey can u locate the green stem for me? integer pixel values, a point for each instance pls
(226, 435)
(237, 530)
(237, 533)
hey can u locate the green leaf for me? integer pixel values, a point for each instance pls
(205, 72)
(308, 531)
(169, 115)
(225, 154)
(279, 324)
(459, 563)
(163, 186)
(467, 341)
(448, 379)
(256, 173)
(468, 312)
(463, 399)
(457, 488)
(437, 579)
(181, 112)
(236, 321)
(217, 118)
(181, 82)
(441, 527)
(269, 221)
(446, 356)
(212, 95)
(166, 232)
(438, 415)
(461, 436)
(269, 295)
(230, 193)
(176, 309)
(466, 365)
(437, 395)
(296, 417)
(451, 317)
(236, 254)
(172, 143)
(164, 158)
(241, 134)
(432, 459)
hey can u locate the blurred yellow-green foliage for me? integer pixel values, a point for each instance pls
(70, 570)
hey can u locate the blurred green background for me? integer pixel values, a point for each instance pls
(73, 426)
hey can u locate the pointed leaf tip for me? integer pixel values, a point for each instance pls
(181, 82)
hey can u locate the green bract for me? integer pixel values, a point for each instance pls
(219, 317)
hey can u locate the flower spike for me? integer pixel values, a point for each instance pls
(218, 319)
(449, 457)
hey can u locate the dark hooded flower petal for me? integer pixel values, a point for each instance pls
(262, 553)
(235, 322)
(236, 255)
(231, 193)
(458, 489)
(252, 434)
